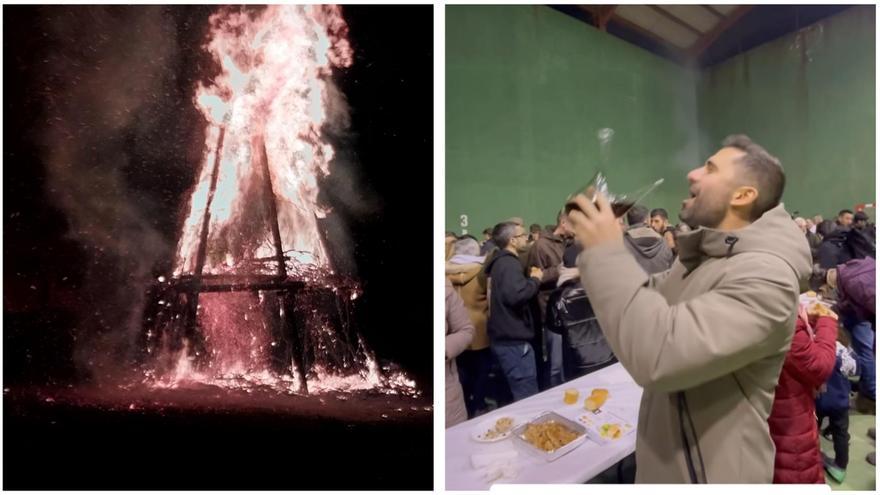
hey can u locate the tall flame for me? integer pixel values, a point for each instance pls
(273, 92)
(265, 114)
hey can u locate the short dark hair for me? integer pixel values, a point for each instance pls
(534, 228)
(763, 168)
(826, 227)
(550, 228)
(817, 279)
(842, 212)
(503, 233)
(637, 214)
(860, 216)
(487, 231)
(659, 212)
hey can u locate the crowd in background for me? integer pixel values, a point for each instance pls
(519, 322)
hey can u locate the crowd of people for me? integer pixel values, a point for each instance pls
(714, 317)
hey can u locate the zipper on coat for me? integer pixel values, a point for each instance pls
(692, 472)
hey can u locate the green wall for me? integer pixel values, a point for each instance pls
(809, 98)
(528, 88)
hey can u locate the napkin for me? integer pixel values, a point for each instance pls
(495, 465)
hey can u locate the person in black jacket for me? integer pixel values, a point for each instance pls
(833, 250)
(840, 245)
(510, 325)
(569, 313)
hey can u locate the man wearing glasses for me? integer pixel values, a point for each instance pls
(510, 326)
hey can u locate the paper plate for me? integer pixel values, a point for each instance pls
(481, 432)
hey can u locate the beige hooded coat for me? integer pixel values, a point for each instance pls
(470, 283)
(706, 340)
(459, 334)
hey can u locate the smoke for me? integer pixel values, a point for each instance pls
(109, 87)
(345, 191)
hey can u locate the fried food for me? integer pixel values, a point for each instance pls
(548, 436)
(819, 309)
(597, 397)
(502, 427)
(571, 396)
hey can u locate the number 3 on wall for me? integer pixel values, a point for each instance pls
(463, 223)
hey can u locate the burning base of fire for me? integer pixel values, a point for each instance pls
(264, 340)
(321, 380)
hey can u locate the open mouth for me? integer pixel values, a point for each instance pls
(690, 199)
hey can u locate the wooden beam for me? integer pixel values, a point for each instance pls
(600, 14)
(589, 9)
(676, 20)
(677, 54)
(712, 11)
(605, 14)
(706, 41)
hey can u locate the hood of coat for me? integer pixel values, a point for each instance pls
(774, 233)
(501, 253)
(646, 240)
(461, 274)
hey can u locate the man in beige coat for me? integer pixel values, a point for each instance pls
(706, 339)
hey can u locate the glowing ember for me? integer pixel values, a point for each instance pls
(254, 213)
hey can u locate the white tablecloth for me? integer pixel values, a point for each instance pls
(578, 466)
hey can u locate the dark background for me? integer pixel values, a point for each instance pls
(101, 147)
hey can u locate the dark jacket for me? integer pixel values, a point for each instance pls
(487, 247)
(815, 241)
(509, 295)
(861, 244)
(833, 251)
(836, 394)
(546, 254)
(584, 348)
(856, 289)
(792, 421)
(649, 248)
(843, 245)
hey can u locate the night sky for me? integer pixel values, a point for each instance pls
(101, 147)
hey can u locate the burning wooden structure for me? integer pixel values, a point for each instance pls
(268, 277)
(251, 258)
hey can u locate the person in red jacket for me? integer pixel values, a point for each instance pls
(793, 417)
